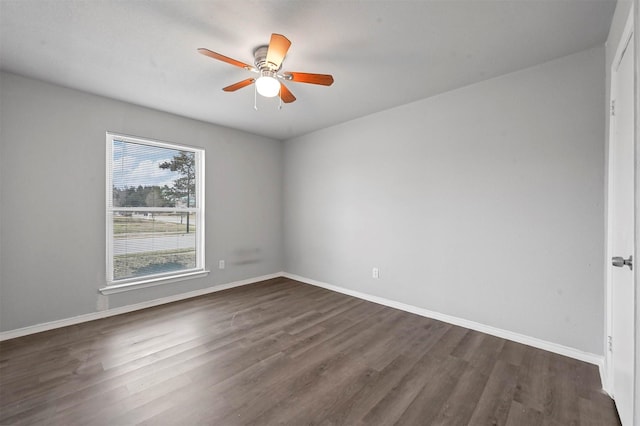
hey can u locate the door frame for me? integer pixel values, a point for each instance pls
(607, 372)
(635, 12)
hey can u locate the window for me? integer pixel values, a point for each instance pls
(155, 214)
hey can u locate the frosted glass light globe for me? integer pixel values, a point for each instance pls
(267, 84)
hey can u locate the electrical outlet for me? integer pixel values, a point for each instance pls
(375, 273)
(221, 264)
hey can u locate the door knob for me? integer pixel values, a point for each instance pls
(621, 261)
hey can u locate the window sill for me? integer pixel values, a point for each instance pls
(152, 282)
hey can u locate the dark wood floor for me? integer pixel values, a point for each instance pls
(285, 352)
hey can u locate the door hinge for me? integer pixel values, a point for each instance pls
(610, 343)
(613, 107)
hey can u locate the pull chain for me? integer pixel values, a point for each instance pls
(255, 97)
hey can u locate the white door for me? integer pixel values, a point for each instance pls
(622, 233)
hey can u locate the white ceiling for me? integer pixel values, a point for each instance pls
(381, 53)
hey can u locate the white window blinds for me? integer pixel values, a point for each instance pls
(154, 209)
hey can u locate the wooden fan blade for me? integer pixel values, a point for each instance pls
(215, 55)
(239, 85)
(286, 95)
(303, 77)
(278, 47)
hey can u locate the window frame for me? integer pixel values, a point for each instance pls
(119, 285)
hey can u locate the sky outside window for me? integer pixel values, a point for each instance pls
(139, 165)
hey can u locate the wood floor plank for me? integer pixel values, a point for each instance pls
(420, 392)
(519, 415)
(562, 398)
(533, 380)
(459, 407)
(352, 409)
(438, 384)
(283, 352)
(513, 352)
(599, 410)
(495, 402)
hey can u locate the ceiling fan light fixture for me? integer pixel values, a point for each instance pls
(267, 84)
(268, 61)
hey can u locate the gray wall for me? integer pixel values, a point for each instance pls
(485, 203)
(52, 215)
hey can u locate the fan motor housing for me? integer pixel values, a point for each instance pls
(260, 59)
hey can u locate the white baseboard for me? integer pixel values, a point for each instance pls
(605, 377)
(505, 334)
(11, 334)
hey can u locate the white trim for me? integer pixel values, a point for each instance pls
(157, 209)
(151, 282)
(109, 208)
(20, 332)
(199, 154)
(602, 368)
(200, 203)
(505, 334)
(607, 370)
(156, 142)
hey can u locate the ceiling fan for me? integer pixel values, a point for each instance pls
(268, 61)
